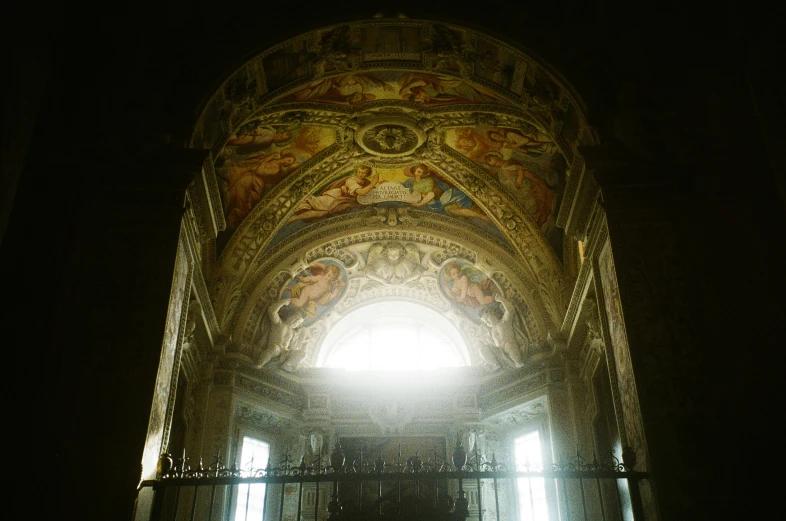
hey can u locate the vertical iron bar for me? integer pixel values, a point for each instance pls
(436, 493)
(417, 495)
(248, 496)
(496, 494)
(600, 498)
(177, 501)
(532, 499)
(379, 494)
(398, 481)
(316, 501)
(193, 504)
(299, 497)
(565, 492)
(480, 501)
(436, 482)
(477, 468)
(360, 485)
(231, 497)
(158, 502)
(619, 499)
(583, 502)
(281, 502)
(635, 499)
(212, 500)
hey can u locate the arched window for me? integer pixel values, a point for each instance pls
(393, 336)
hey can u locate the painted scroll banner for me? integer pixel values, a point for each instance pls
(389, 191)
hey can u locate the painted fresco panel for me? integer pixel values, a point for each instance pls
(495, 64)
(468, 289)
(526, 162)
(286, 64)
(420, 87)
(571, 126)
(446, 45)
(240, 91)
(258, 157)
(416, 186)
(336, 48)
(315, 290)
(391, 43)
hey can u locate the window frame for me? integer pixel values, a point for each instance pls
(248, 430)
(541, 426)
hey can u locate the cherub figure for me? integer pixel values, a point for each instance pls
(508, 337)
(322, 286)
(470, 287)
(278, 335)
(393, 263)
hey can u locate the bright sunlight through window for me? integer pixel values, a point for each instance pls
(531, 491)
(393, 336)
(251, 498)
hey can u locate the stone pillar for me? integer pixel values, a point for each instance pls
(657, 361)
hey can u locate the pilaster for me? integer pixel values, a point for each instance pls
(649, 326)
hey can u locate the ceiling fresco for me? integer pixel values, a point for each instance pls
(427, 131)
(259, 156)
(419, 87)
(417, 186)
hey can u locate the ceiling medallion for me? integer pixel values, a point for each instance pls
(390, 136)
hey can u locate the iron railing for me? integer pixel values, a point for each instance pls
(466, 488)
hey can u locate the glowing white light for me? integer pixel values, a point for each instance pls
(393, 336)
(251, 502)
(531, 491)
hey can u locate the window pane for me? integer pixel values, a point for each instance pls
(531, 491)
(393, 336)
(251, 499)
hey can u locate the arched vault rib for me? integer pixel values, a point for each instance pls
(345, 238)
(419, 227)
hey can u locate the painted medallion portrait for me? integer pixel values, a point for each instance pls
(468, 288)
(315, 290)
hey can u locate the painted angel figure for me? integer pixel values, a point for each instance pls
(517, 141)
(350, 89)
(247, 179)
(319, 288)
(258, 138)
(437, 89)
(508, 336)
(338, 196)
(470, 286)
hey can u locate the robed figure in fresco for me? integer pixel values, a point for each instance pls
(338, 196)
(347, 89)
(260, 157)
(437, 89)
(247, 178)
(524, 184)
(439, 196)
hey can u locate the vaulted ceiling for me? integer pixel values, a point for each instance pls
(391, 153)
